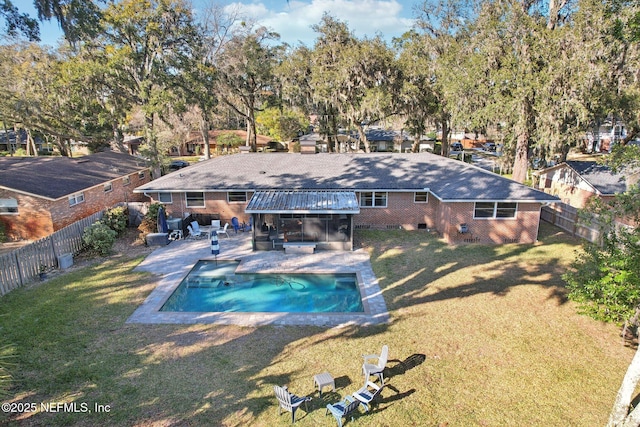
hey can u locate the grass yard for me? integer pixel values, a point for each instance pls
(486, 335)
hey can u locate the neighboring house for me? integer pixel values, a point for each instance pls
(322, 197)
(469, 140)
(575, 182)
(389, 140)
(40, 195)
(604, 135)
(195, 143)
(9, 143)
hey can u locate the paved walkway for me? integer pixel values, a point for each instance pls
(174, 261)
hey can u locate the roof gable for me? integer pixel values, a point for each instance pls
(599, 176)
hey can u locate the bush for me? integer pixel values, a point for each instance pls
(116, 219)
(3, 233)
(99, 238)
(149, 223)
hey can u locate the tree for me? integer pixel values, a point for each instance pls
(443, 24)
(418, 99)
(143, 45)
(77, 18)
(52, 94)
(281, 124)
(333, 39)
(245, 75)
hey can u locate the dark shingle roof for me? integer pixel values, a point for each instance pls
(448, 179)
(55, 177)
(600, 177)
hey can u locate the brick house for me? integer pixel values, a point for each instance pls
(575, 182)
(40, 195)
(323, 197)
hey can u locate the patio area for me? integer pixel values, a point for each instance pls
(172, 263)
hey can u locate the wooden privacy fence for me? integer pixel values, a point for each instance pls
(23, 265)
(566, 217)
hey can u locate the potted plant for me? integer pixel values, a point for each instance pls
(43, 272)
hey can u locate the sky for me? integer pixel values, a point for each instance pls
(293, 19)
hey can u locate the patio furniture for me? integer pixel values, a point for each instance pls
(224, 230)
(289, 401)
(193, 233)
(378, 368)
(345, 408)
(367, 394)
(236, 224)
(322, 380)
(215, 224)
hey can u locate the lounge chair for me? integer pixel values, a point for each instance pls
(224, 230)
(377, 369)
(345, 408)
(289, 401)
(215, 224)
(193, 233)
(368, 393)
(248, 227)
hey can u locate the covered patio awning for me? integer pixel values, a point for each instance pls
(307, 202)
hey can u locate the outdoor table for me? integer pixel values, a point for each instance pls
(322, 380)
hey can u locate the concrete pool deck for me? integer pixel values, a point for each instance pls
(174, 261)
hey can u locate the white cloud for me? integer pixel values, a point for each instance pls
(293, 20)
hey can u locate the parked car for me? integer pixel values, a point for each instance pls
(456, 146)
(489, 146)
(177, 164)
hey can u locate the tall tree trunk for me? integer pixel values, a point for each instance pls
(620, 416)
(362, 137)
(445, 135)
(521, 160)
(204, 130)
(31, 143)
(152, 143)
(118, 138)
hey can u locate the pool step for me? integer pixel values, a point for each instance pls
(197, 282)
(346, 283)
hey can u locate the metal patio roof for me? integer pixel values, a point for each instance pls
(317, 202)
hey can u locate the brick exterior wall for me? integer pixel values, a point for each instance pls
(401, 211)
(521, 229)
(38, 217)
(214, 203)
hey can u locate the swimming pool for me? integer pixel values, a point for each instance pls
(213, 286)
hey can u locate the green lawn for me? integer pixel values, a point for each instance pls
(501, 347)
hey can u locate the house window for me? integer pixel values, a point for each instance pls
(8, 206)
(74, 199)
(126, 180)
(195, 199)
(506, 210)
(495, 210)
(420, 197)
(373, 199)
(141, 175)
(165, 198)
(237, 196)
(108, 187)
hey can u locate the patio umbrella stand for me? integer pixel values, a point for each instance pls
(215, 246)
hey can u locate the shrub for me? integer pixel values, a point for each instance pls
(149, 222)
(99, 238)
(116, 219)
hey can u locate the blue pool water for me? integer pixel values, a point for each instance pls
(216, 287)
